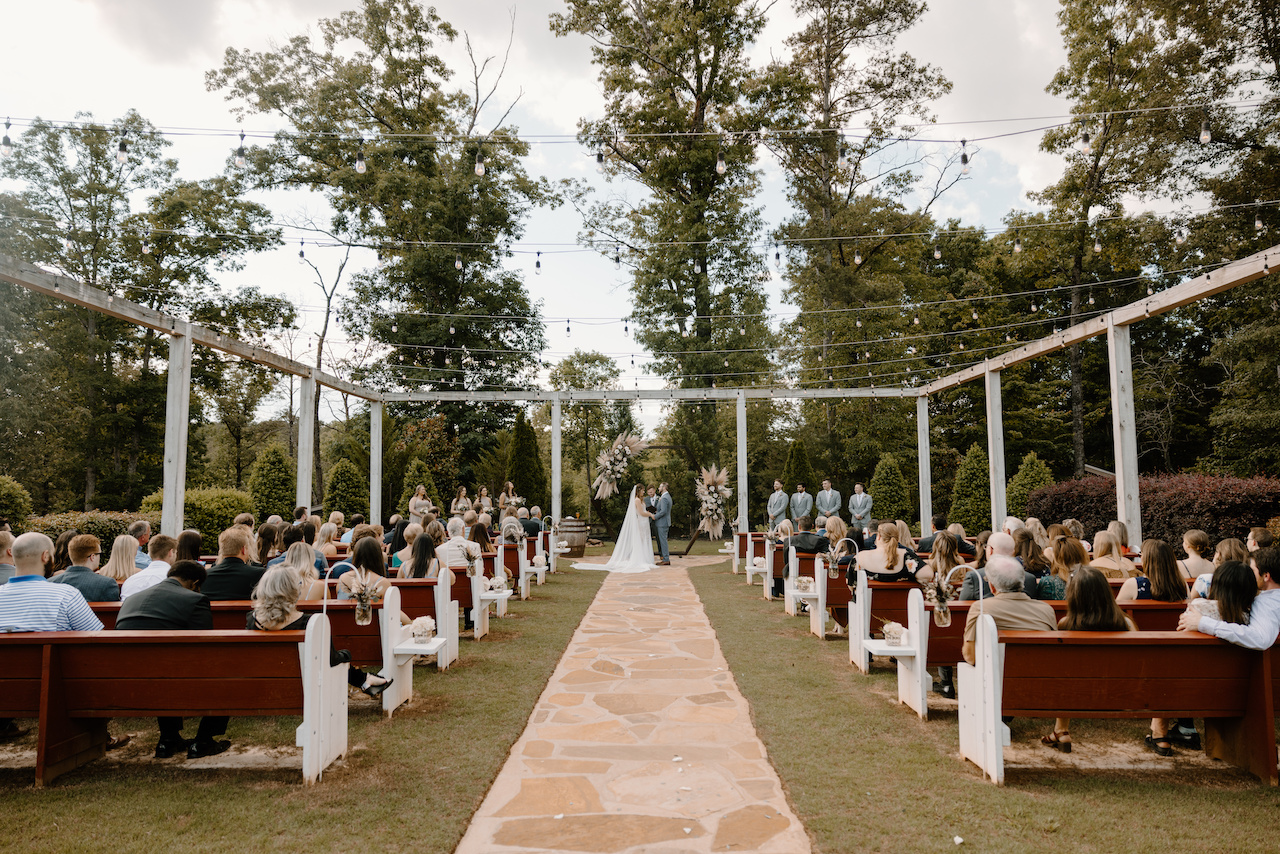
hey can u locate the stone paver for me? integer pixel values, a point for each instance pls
(641, 741)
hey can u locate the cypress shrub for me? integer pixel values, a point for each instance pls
(1031, 475)
(15, 503)
(798, 469)
(347, 490)
(971, 495)
(524, 468)
(272, 483)
(888, 488)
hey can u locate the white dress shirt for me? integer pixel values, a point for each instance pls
(453, 552)
(155, 572)
(1264, 624)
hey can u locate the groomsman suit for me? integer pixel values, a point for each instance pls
(860, 506)
(777, 507)
(801, 504)
(827, 502)
(662, 523)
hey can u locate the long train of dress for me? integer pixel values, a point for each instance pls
(633, 552)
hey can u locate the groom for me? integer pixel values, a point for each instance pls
(662, 522)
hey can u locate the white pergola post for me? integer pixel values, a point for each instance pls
(177, 425)
(926, 472)
(995, 449)
(306, 439)
(1123, 428)
(555, 460)
(375, 462)
(743, 523)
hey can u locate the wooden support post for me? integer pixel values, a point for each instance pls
(375, 463)
(995, 449)
(306, 440)
(177, 425)
(555, 459)
(744, 524)
(1124, 431)
(926, 472)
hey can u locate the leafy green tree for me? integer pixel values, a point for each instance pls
(524, 469)
(585, 424)
(273, 482)
(347, 490)
(971, 496)
(798, 469)
(1031, 475)
(417, 473)
(888, 489)
(15, 502)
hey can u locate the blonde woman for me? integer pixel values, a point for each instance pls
(123, 551)
(436, 531)
(1038, 533)
(904, 535)
(403, 556)
(886, 562)
(326, 540)
(1108, 558)
(943, 559)
(300, 559)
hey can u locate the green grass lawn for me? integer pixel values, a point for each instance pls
(865, 774)
(412, 782)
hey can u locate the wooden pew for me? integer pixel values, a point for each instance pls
(775, 566)
(799, 565)
(1119, 675)
(74, 682)
(759, 548)
(913, 675)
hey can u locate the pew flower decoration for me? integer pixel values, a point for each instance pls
(424, 628)
(804, 584)
(364, 589)
(539, 561)
(497, 584)
(613, 462)
(471, 564)
(937, 593)
(712, 494)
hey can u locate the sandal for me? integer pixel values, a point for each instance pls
(1058, 740)
(1154, 744)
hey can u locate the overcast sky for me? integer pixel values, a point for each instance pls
(106, 56)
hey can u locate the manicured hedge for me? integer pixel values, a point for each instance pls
(209, 511)
(1222, 507)
(105, 525)
(888, 488)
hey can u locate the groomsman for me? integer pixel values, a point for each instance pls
(859, 508)
(827, 501)
(801, 503)
(777, 505)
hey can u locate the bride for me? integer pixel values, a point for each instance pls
(633, 552)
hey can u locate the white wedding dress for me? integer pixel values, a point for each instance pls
(633, 552)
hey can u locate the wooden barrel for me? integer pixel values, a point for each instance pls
(574, 532)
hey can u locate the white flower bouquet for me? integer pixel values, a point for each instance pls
(613, 462)
(712, 493)
(424, 628)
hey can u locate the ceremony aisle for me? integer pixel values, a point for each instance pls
(641, 739)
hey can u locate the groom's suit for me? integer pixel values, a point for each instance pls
(662, 522)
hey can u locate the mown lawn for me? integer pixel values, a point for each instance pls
(865, 774)
(410, 783)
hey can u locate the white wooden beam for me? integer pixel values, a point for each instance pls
(682, 394)
(177, 426)
(744, 524)
(1124, 432)
(925, 469)
(995, 449)
(306, 440)
(375, 463)
(555, 460)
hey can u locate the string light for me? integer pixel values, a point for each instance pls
(302, 254)
(122, 151)
(1205, 135)
(394, 328)
(1090, 297)
(240, 155)
(537, 265)
(697, 265)
(457, 261)
(1257, 217)
(1017, 243)
(857, 257)
(916, 321)
(777, 257)
(975, 314)
(146, 241)
(721, 166)
(1266, 268)
(360, 164)
(6, 145)
(843, 161)
(937, 251)
(964, 158)
(450, 329)
(1180, 236)
(742, 330)
(567, 331)
(1097, 245)
(617, 257)
(1085, 146)
(600, 160)
(479, 164)
(625, 327)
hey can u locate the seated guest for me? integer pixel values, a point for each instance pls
(454, 553)
(1120, 532)
(141, 531)
(247, 520)
(820, 526)
(486, 519)
(886, 562)
(357, 520)
(7, 568)
(512, 531)
(275, 609)
(807, 541)
(61, 559)
(480, 536)
(944, 559)
(1195, 544)
(300, 560)
(905, 540)
(173, 604)
(1028, 552)
(1011, 525)
(299, 515)
(436, 531)
(1037, 531)
(1228, 549)
(1076, 528)
(531, 528)
(392, 523)
(469, 519)
(275, 520)
(1010, 607)
(268, 540)
(980, 549)
(963, 546)
(1091, 607)
(535, 513)
(1068, 556)
(233, 577)
(370, 568)
(1259, 538)
(1230, 598)
(1109, 558)
(162, 549)
(325, 540)
(407, 538)
(939, 523)
(358, 533)
(422, 562)
(975, 584)
(1264, 615)
(338, 520)
(121, 565)
(190, 544)
(841, 543)
(86, 554)
(1055, 534)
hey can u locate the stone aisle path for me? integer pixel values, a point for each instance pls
(641, 741)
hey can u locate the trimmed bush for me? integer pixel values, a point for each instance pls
(103, 524)
(1032, 475)
(890, 498)
(273, 483)
(524, 468)
(209, 511)
(1222, 507)
(798, 469)
(347, 490)
(417, 473)
(971, 495)
(15, 503)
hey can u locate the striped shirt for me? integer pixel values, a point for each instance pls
(29, 603)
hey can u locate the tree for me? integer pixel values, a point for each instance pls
(417, 473)
(971, 496)
(15, 503)
(1031, 475)
(798, 469)
(272, 483)
(347, 490)
(524, 469)
(236, 404)
(888, 489)
(585, 422)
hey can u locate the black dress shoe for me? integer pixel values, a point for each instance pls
(165, 749)
(201, 749)
(947, 690)
(12, 731)
(375, 691)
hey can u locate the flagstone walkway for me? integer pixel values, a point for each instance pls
(641, 741)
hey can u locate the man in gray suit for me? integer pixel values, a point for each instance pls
(777, 505)
(827, 501)
(801, 503)
(859, 509)
(662, 522)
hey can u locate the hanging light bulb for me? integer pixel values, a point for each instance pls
(633, 360)
(1090, 297)
(617, 257)
(721, 166)
(742, 330)
(857, 257)
(122, 151)
(394, 328)
(537, 265)
(1085, 146)
(961, 345)
(684, 333)
(224, 312)
(360, 164)
(6, 145)
(240, 155)
(146, 241)
(567, 331)
(1257, 221)
(697, 265)
(457, 261)
(1266, 268)
(1205, 135)
(1017, 243)
(600, 160)
(916, 321)
(726, 363)
(302, 252)
(843, 161)
(1008, 337)
(858, 323)
(625, 327)
(450, 329)
(777, 257)
(937, 252)
(1180, 236)
(479, 164)
(975, 314)
(1097, 245)
(964, 159)
(1150, 290)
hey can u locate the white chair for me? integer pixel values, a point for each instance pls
(322, 735)
(749, 563)
(860, 623)
(792, 595)
(983, 735)
(911, 654)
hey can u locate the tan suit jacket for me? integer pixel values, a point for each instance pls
(1016, 612)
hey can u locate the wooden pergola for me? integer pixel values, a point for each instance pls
(1115, 324)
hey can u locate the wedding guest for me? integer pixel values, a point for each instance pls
(1108, 557)
(980, 549)
(61, 558)
(436, 531)
(140, 530)
(1120, 532)
(162, 550)
(1027, 550)
(1068, 556)
(369, 568)
(777, 506)
(1195, 544)
(905, 540)
(233, 577)
(1037, 531)
(1259, 538)
(1228, 549)
(325, 540)
(422, 562)
(1231, 595)
(86, 553)
(267, 536)
(1076, 529)
(395, 541)
(480, 536)
(1010, 606)
(248, 520)
(7, 567)
(531, 528)
(348, 536)
(300, 560)
(121, 564)
(1011, 524)
(841, 544)
(887, 562)
(975, 580)
(943, 559)
(1264, 616)
(963, 545)
(409, 536)
(1091, 607)
(190, 544)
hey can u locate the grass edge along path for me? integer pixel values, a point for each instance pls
(863, 773)
(413, 781)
